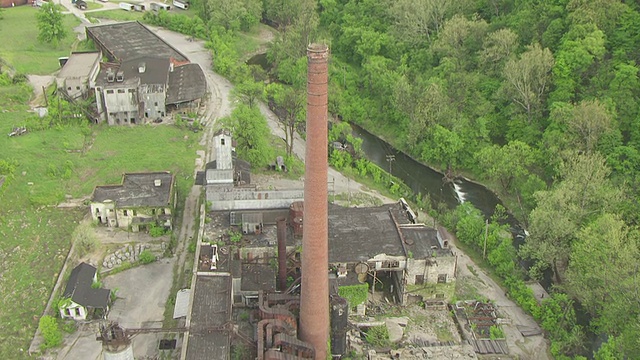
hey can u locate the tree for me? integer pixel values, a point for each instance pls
(248, 90)
(417, 21)
(85, 239)
(589, 120)
(498, 47)
(50, 24)
(251, 133)
(527, 78)
(232, 14)
(582, 192)
(507, 163)
(288, 103)
(603, 257)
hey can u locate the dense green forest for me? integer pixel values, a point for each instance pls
(537, 98)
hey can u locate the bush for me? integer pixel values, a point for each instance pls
(85, 239)
(146, 257)
(378, 336)
(50, 332)
(354, 294)
(156, 231)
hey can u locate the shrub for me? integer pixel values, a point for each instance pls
(50, 332)
(378, 336)
(496, 332)
(85, 239)
(354, 294)
(146, 257)
(156, 231)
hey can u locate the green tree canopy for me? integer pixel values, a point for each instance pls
(50, 24)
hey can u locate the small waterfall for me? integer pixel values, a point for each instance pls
(459, 193)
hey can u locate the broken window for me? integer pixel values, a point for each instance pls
(131, 91)
(134, 212)
(124, 212)
(222, 141)
(120, 91)
(109, 91)
(156, 103)
(153, 211)
(442, 278)
(69, 88)
(77, 87)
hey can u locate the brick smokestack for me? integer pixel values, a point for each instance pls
(282, 253)
(314, 300)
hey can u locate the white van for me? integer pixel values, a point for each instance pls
(126, 6)
(180, 5)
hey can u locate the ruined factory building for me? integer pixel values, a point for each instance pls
(144, 78)
(80, 299)
(208, 336)
(141, 200)
(385, 240)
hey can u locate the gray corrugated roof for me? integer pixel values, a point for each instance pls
(186, 83)
(211, 308)
(138, 190)
(79, 288)
(79, 64)
(129, 40)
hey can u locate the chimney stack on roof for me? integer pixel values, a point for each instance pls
(314, 299)
(157, 182)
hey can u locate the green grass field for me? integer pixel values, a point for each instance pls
(24, 52)
(117, 14)
(34, 234)
(93, 5)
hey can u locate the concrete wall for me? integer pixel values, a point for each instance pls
(104, 213)
(152, 97)
(76, 87)
(241, 199)
(120, 105)
(74, 311)
(430, 269)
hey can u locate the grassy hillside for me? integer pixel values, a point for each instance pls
(25, 53)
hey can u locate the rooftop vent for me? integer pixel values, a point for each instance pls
(120, 76)
(157, 182)
(110, 76)
(142, 67)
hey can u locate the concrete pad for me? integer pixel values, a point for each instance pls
(142, 293)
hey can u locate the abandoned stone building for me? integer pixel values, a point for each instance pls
(144, 78)
(142, 200)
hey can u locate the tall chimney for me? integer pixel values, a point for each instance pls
(282, 253)
(314, 299)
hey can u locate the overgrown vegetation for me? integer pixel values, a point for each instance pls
(147, 257)
(85, 238)
(354, 294)
(378, 336)
(51, 333)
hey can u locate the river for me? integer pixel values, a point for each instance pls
(427, 181)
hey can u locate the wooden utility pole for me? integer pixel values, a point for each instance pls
(390, 159)
(486, 233)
